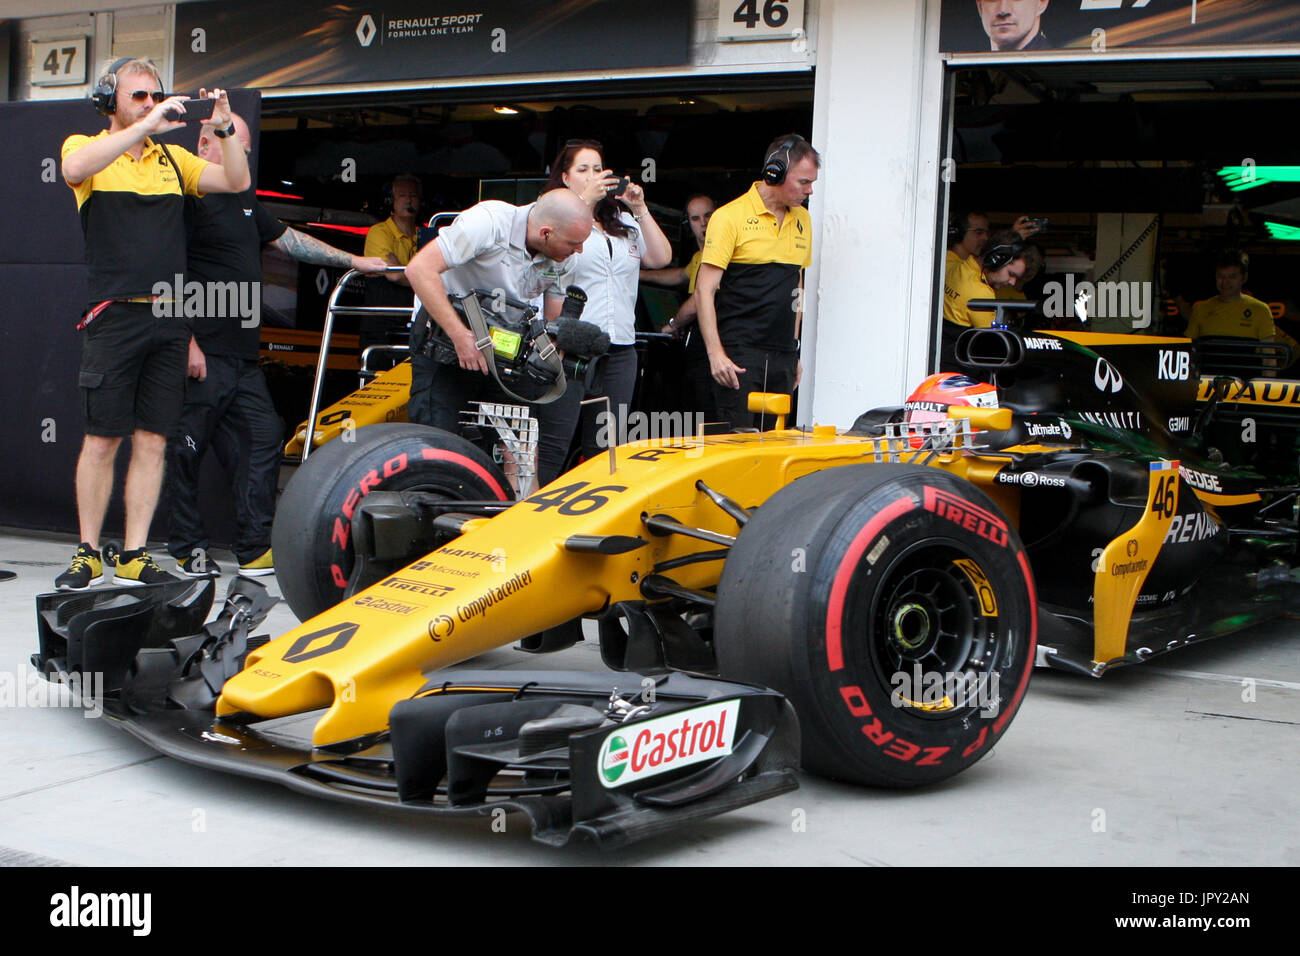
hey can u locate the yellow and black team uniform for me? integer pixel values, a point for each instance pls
(133, 359)
(963, 280)
(756, 299)
(1245, 318)
(387, 239)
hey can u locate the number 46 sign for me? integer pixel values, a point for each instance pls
(759, 19)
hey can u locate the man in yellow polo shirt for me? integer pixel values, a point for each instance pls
(967, 234)
(394, 240)
(130, 193)
(1230, 312)
(1001, 265)
(748, 287)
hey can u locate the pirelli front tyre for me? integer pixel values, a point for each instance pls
(894, 606)
(312, 535)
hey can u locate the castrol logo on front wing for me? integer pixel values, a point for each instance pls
(652, 747)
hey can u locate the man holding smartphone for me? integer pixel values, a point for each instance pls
(130, 194)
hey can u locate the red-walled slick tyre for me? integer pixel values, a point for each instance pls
(312, 535)
(894, 606)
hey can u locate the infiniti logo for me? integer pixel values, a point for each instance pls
(1106, 377)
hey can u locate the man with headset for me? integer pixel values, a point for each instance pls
(967, 234)
(748, 292)
(1001, 265)
(130, 193)
(394, 240)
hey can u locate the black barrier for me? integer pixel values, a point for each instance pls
(42, 294)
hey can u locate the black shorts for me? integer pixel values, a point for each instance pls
(133, 371)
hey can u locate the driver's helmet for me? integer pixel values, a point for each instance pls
(930, 401)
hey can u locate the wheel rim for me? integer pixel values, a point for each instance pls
(927, 636)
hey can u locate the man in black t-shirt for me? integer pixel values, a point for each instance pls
(227, 403)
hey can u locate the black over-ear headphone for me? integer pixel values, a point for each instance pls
(388, 192)
(774, 167)
(997, 257)
(104, 96)
(958, 226)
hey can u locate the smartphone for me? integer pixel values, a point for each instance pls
(1040, 221)
(620, 187)
(195, 110)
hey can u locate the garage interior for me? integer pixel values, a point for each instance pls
(1099, 148)
(686, 135)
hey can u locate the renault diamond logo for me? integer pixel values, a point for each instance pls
(366, 30)
(1106, 377)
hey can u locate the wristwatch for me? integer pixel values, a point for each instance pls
(223, 133)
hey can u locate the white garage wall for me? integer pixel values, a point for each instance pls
(872, 286)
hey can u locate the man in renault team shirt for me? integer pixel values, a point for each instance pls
(131, 199)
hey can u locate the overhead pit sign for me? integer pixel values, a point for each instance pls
(311, 42)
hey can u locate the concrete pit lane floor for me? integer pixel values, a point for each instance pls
(1167, 764)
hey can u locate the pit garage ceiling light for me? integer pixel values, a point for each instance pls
(1277, 230)
(1241, 178)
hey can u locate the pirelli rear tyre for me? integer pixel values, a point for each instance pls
(312, 535)
(894, 606)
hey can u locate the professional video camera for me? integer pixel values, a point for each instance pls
(523, 352)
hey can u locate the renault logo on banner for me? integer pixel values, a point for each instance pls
(366, 30)
(1106, 377)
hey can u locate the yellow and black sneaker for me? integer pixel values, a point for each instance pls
(86, 569)
(258, 567)
(198, 564)
(137, 567)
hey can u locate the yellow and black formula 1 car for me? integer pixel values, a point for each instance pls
(887, 585)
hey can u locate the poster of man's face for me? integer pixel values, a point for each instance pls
(1007, 28)
(1013, 24)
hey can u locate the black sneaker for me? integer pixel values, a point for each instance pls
(198, 564)
(136, 567)
(86, 569)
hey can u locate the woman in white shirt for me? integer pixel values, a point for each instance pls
(624, 240)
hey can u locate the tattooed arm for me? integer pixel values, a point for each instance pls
(306, 249)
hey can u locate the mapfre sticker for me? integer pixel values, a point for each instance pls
(656, 746)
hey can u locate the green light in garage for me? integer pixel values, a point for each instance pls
(1277, 230)
(1240, 178)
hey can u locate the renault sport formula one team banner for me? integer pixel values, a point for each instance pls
(1012, 26)
(251, 43)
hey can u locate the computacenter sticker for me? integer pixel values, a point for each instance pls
(656, 746)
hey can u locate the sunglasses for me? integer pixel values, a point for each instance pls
(585, 144)
(141, 95)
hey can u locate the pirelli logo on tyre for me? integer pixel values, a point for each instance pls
(651, 747)
(970, 516)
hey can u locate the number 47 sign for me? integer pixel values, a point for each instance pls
(59, 62)
(759, 19)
